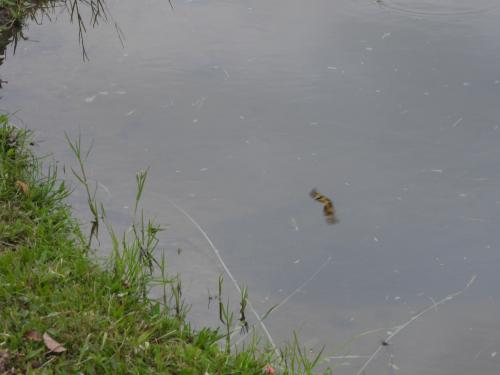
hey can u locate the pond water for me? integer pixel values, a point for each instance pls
(240, 108)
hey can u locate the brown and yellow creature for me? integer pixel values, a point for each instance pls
(328, 207)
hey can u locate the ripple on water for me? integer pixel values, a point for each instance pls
(440, 8)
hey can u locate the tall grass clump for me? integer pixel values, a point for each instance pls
(62, 312)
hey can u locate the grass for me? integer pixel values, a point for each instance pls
(63, 313)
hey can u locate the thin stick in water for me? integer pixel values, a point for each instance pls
(301, 286)
(294, 292)
(223, 264)
(412, 319)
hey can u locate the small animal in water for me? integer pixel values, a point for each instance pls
(328, 207)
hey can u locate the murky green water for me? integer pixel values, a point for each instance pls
(241, 108)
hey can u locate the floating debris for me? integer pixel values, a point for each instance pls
(455, 124)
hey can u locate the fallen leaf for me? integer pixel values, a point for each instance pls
(23, 186)
(33, 335)
(52, 344)
(4, 358)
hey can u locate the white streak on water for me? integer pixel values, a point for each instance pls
(398, 329)
(455, 124)
(394, 367)
(301, 286)
(105, 188)
(433, 303)
(298, 289)
(225, 267)
(198, 104)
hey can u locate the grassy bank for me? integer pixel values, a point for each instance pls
(49, 287)
(62, 313)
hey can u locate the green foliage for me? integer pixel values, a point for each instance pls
(101, 315)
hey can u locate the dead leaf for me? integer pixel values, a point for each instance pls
(4, 358)
(23, 186)
(52, 344)
(33, 335)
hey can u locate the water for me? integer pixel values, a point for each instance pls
(241, 108)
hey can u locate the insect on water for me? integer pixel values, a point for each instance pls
(328, 207)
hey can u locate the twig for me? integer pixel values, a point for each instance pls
(298, 289)
(233, 279)
(412, 319)
(5, 243)
(301, 286)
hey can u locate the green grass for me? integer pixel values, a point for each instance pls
(51, 284)
(48, 283)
